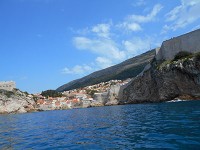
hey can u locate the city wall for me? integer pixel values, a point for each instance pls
(189, 42)
(7, 85)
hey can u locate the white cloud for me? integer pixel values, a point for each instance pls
(195, 28)
(104, 47)
(138, 45)
(149, 17)
(78, 69)
(102, 30)
(173, 14)
(139, 3)
(103, 62)
(130, 26)
(182, 15)
(132, 22)
(109, 48)
(81, 42)
(109, 53)
(134, 27)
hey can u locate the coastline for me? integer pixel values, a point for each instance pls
(149, 102)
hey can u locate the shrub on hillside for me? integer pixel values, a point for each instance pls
(9, 93)
(51, 93)
(164, 64)
(91, 92)
(182, 54)
(197, 56)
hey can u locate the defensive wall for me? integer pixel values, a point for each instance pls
(189, 42)
(7, 85)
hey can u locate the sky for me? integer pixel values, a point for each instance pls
(47, 43)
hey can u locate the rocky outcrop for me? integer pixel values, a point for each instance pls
(100, 99)
(165, 81)
(16, 102)
(107, 98)
(111, 97)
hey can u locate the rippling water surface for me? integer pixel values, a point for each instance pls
(163, 125)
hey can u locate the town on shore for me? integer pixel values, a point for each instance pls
(89, 96)
(160, 80)
(101, 94)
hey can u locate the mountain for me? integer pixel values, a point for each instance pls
(127, 69)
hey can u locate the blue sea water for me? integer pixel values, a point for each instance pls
(139, 126)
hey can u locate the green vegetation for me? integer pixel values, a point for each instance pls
(164, 63)
(197, 56)
(184, 56)
(15, 89)
(19, 92)
(26, 93)
(181, 55)
(51, 93)
(35, 98)
(7, 93)
(113, 83)
(91, 92)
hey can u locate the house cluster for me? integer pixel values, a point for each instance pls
(72, 100)
(76, 98)
(98, 88)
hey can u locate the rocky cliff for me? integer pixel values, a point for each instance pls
(16, 101)
(107, 98)
(165, 81)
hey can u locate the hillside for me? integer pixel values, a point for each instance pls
(127, 69)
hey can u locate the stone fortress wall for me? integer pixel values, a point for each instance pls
(7, 85)
(189, 42)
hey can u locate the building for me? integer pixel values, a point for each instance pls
(7, 85)
(188, 42)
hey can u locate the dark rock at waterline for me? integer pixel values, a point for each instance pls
(165, 81)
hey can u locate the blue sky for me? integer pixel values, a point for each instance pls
(46, 43)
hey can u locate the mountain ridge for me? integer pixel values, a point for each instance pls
(126, 69)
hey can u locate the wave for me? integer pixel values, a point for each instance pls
(176, 100)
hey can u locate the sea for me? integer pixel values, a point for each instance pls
(169, 125)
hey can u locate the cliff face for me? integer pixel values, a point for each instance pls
(111, 97)
(15, 102)
(166, 81)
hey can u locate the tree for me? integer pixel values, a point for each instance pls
(51, 93)
(182, 54)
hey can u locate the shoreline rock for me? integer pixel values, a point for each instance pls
(157, 84)
(16, 101)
